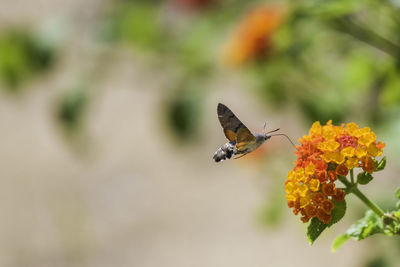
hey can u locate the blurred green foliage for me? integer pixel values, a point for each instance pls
(377, 262)
(332, 59)
(137, 23)
(71, 108)
(271, 213)
(21, 55)
(183, 110)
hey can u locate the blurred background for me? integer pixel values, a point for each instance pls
(108, 126)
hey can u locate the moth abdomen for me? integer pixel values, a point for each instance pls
(225, 152)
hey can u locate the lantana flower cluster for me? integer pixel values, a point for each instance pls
(326, 152)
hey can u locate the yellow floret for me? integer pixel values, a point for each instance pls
(352, 128)
(367, 138)
(338, 130)
(300, 175)
(313, 185)
(316, 129)
(304, 201)
(348, 151)
(305, 138)
(291, 175)
(310, 169)
(328, 133)
(351, 163)
(291, 197)
(338, 158)
(330, 145)
(360, 152)
(327, 156)
(302, 190)
(290, 187)
(373, 150)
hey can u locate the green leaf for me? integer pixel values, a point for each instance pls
(381, 165)
(338, 212)
(316, 227)
(364, 178)
(397, 193)
(396, 213)
(339, 241)
(369, 225)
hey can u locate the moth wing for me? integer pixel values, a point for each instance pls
(234, 129)
(229, 122)
(231, 135)
(241, 156)
(244, 137)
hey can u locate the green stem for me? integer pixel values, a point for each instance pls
(352, 176)
(367, 202)
(350, 26)
(345, 182)
(352, 188)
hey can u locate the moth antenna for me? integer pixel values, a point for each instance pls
(286, 137)
(265, 126)
(273, 131)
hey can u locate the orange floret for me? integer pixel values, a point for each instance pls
(323, 217)
(327, 206)
(368, 165)
(339, 195)
(328, 189)
(342, 170)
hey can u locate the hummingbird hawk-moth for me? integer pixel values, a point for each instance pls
(241, 140)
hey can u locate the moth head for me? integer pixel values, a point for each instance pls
(267, 134)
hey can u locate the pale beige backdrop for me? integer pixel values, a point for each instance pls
(124, 194)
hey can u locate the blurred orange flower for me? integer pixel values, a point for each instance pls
(252, 39)
(326, 152)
